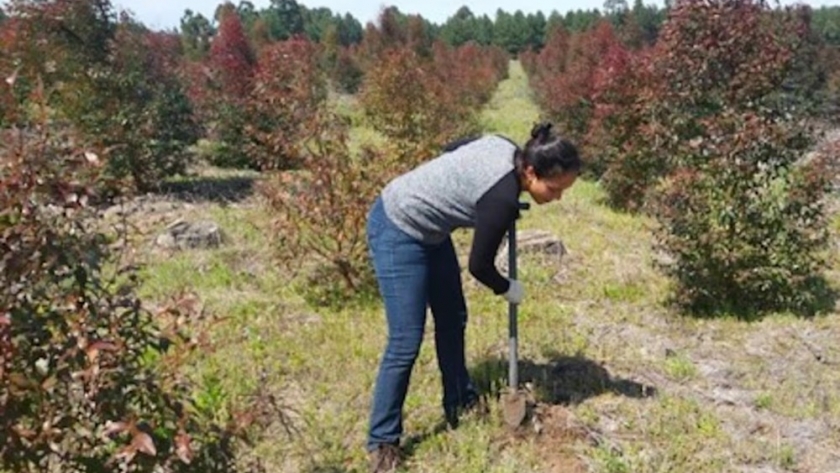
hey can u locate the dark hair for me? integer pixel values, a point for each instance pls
(548, 153)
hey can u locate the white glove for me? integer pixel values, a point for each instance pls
(515, 292)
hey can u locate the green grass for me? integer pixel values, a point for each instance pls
(648, 389)
(511, 111)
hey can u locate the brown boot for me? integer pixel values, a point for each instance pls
(385, 459)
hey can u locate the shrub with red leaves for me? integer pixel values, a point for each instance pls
(109, 79)
(472, 71)
(419, 97)
(570, 69)
(228, 81)
(693, 131)
(407, 101)
(91, 379)
(319, 213)
(288, 91)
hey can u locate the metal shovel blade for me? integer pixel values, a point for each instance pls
(514, 408)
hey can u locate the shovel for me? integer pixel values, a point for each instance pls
(514, 401)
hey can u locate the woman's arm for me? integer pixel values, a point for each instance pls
(495, 211)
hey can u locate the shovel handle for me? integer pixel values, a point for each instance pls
(513, 330)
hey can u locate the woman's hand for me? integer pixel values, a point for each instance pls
(515, 292)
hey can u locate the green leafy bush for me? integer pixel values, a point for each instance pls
(140, 109)
(745, 231)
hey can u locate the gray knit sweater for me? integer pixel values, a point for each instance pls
(473, 186)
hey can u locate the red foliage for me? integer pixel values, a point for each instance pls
(61, 39)
(613, 125)
(346, 72)
(404, 99)
(221, 86)
(471, 72)
(569, 72)
(551, 60)
(231, 58)
(288, 92)
(612, 84)
(36, 43)
(198, 78)
(417, 37)
(623, 106)
(422, 95)
(319, 215)
(379, 38)
(164, 51)
(730, 52)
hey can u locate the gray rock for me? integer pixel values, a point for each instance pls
(189, 235)
(538, 242)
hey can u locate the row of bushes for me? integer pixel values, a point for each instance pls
(263, 105)
(253, 97)
(103, 81)
(706, 131)
(147, 102)
(418, 95)
(93, 379)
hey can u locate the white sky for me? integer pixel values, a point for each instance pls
(166, 14)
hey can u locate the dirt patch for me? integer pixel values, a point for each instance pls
(559, 440)
(558, 437)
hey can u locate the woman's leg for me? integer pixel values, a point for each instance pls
(449, 309)
(400, 263)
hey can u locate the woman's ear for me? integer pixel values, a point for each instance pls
(528, 177)
(530, 173)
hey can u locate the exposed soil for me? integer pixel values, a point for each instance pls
(558, 434)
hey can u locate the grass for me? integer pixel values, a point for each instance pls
(628, 384)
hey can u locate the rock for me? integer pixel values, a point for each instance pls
(189, 235)
(538, 242)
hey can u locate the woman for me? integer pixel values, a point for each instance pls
(474, 183)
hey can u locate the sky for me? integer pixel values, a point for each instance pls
(166, 14)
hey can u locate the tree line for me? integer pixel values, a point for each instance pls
(514, 32)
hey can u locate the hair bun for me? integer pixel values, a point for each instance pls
(541, 132)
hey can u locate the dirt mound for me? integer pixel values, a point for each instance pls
(558, 437)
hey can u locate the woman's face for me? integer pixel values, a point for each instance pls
(548, 189)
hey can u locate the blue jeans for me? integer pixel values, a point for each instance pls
(413, 276)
